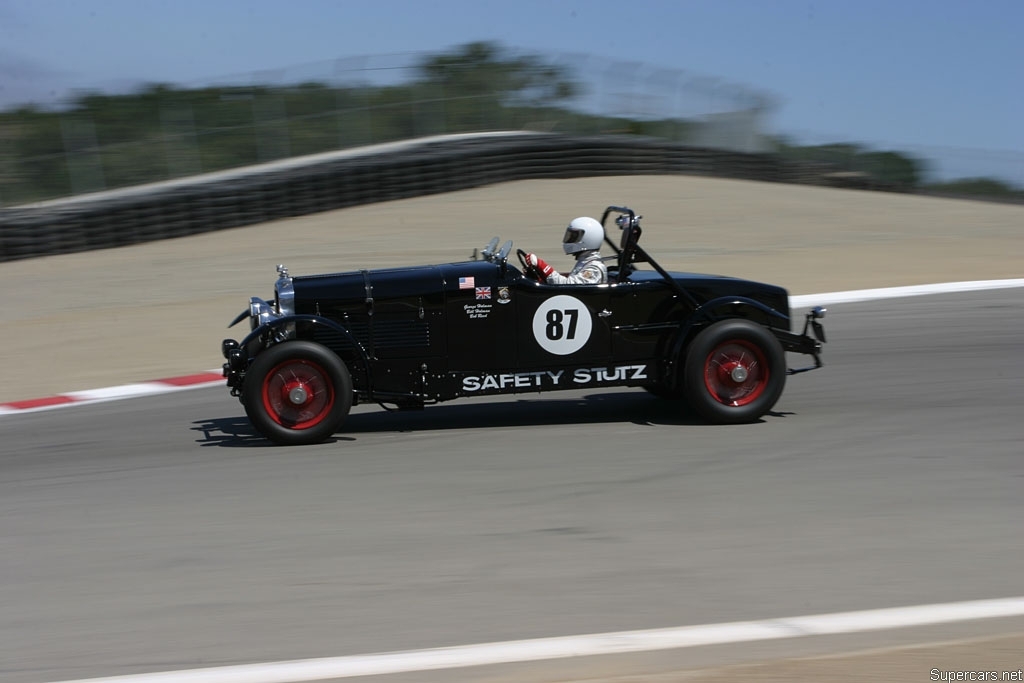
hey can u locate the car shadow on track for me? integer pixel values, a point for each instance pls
(234, 431)
(638, 408)
(634, 407)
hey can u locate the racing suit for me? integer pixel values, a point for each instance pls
(589, 270)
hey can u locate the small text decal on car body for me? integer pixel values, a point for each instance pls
(619, 373)
(477, 311)
(547, 379)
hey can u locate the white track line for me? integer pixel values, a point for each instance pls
(805, 300)
(584, 645)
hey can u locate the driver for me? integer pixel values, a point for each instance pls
(583, 237)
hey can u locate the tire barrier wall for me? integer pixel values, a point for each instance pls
(336, 180)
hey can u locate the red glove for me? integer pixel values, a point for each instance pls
(543, 269)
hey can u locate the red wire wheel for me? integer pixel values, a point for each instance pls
(297, 394)
(736, 373)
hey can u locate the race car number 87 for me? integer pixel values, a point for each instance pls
(562, 325)
(555, 330)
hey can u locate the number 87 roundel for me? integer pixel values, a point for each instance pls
(562, 325)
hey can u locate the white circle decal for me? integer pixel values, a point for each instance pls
(562, 325)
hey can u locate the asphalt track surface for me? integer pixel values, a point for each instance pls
(160, 534)
(163, 534)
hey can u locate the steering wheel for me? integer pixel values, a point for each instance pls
(529, 270)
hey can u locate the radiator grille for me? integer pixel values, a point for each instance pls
(388, 334)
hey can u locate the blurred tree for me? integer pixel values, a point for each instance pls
(484, 69)
(979, 187)
(481, 85)
(888, 168)
(39, 170)
(892, 168)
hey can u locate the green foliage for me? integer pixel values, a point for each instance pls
(977, 187)
(887, 168)
(482, 70)
(38, 166)
(891, 167)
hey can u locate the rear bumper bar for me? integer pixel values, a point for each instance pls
(805, 343)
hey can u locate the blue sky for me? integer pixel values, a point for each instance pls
(935, 74)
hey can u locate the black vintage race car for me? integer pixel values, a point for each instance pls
(407, 337)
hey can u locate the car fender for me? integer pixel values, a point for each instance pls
(712, 311)
(738, 307)
(271, 332)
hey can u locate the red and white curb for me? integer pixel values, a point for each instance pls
(151, 388)
(205, 379)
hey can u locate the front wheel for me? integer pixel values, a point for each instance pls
(297, 392)
(735, 372)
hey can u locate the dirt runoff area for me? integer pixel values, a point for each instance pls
(116, 316)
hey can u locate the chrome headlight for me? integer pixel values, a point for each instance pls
(260, 312)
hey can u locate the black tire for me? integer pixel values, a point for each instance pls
(297, 393)
(734, 373)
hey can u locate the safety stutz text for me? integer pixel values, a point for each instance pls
(546, 379)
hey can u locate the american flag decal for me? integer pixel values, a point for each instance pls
(466, 283)
(483, 292)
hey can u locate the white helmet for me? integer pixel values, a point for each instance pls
(583, 234)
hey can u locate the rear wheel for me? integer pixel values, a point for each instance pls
(735, 372)
(297, 393)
